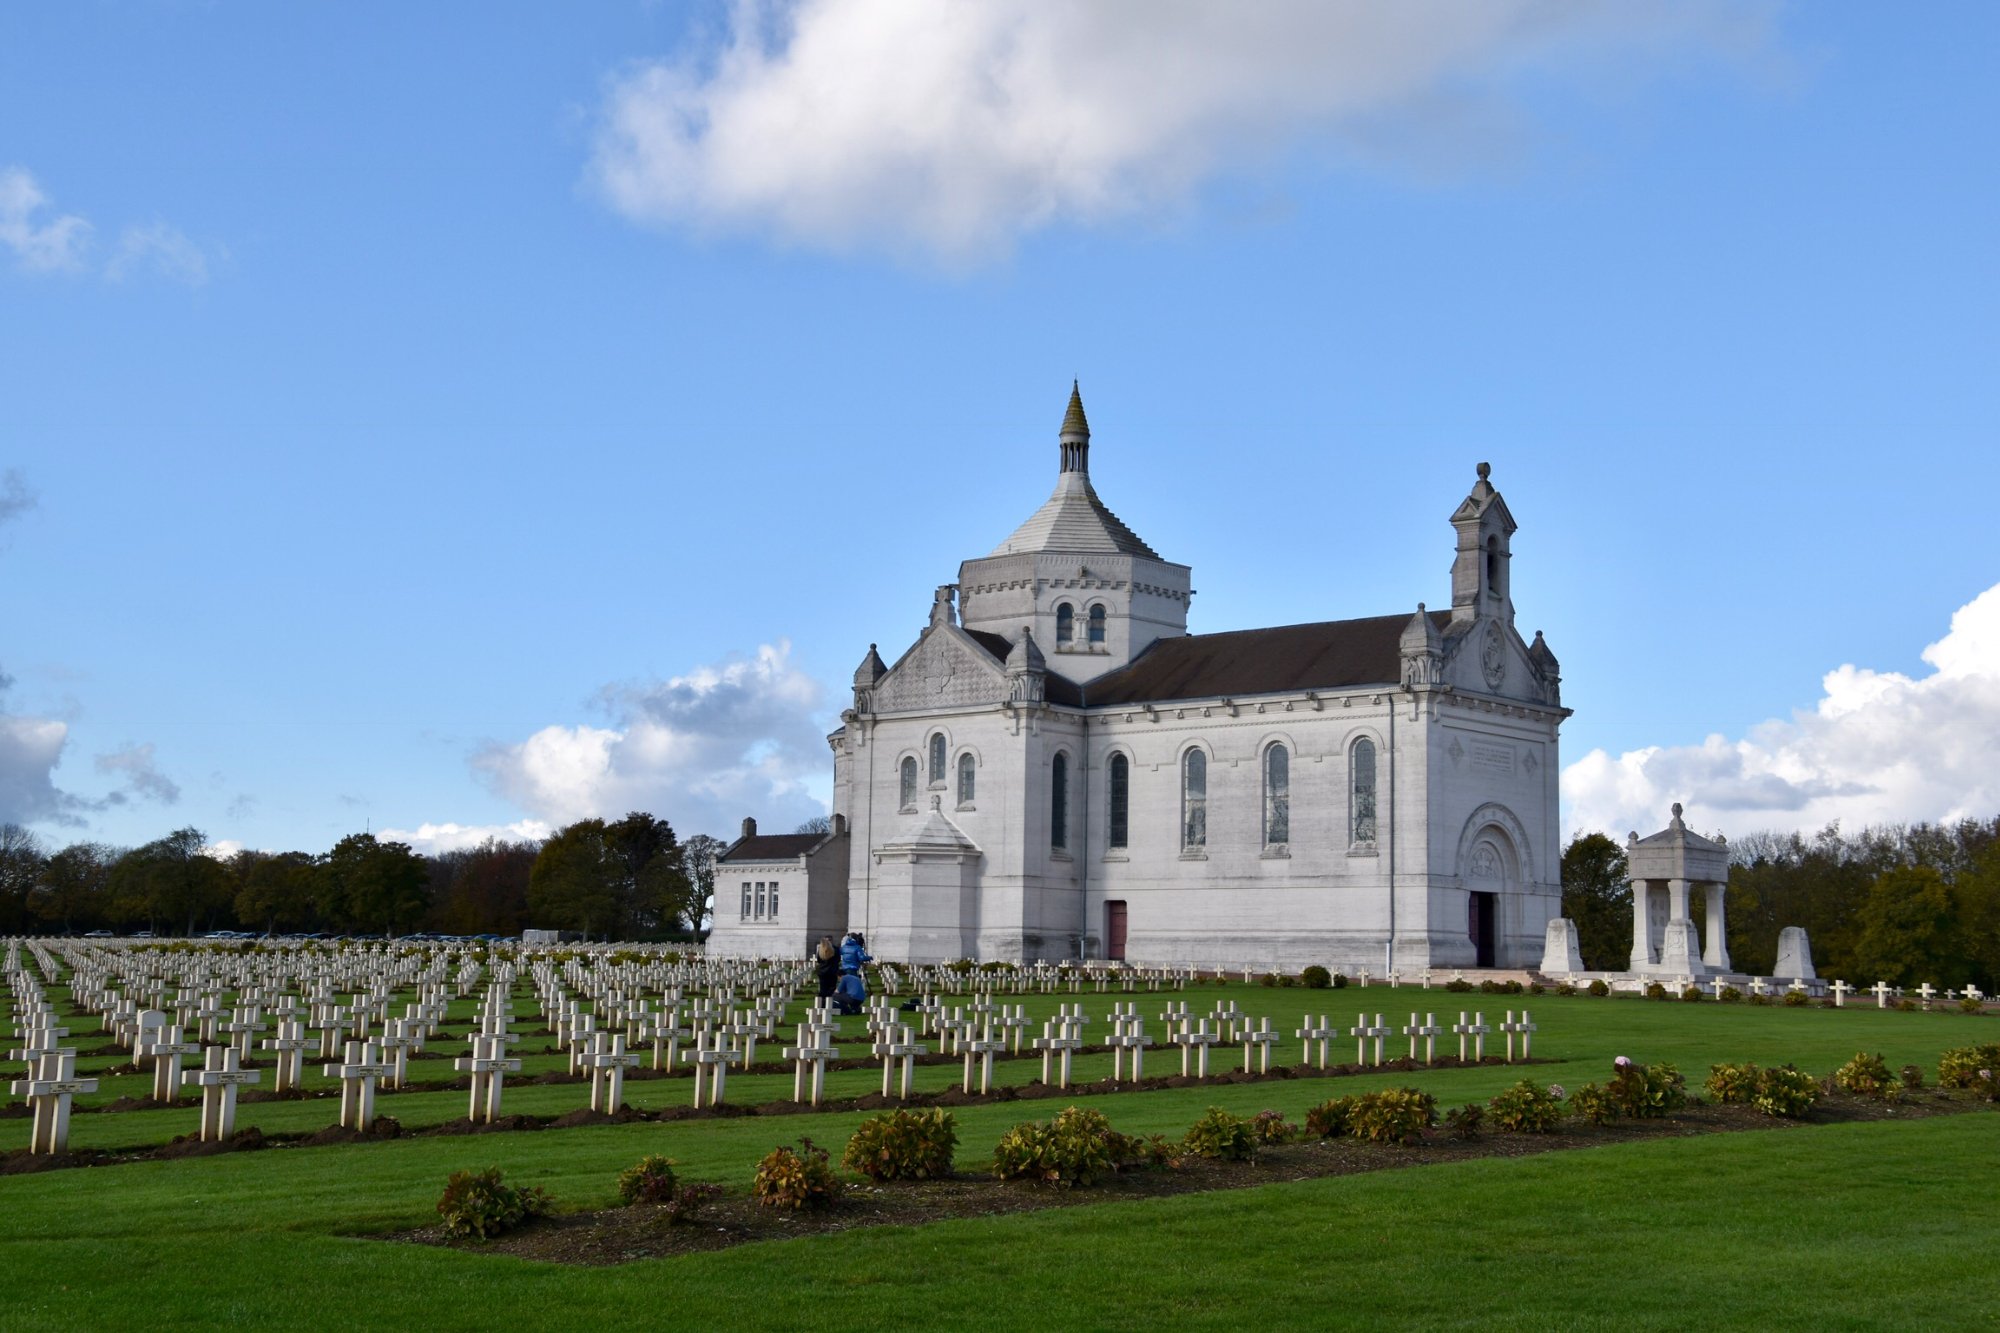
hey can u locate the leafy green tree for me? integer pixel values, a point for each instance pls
(1597, 897)
(21, 862)
(575, 881)
(484, 889)
(274, 891)
(652, 885)
(173, 880)
(1906, 927)
(373, 887)
(698, 855)
(76, 887)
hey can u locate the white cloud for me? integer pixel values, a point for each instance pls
(701, 750)
(40, 243)
(160, 249)
(448, 837)
(142, 777)
(956, 128)
(30, 749)
(1879, 747)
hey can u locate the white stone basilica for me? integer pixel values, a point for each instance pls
(1057, 769)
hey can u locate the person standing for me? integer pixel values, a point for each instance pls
(826, 964)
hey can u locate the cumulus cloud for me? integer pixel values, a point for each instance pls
(42, 241)
(956, 128)
(701, 750)
(1878, 747)
(448, 837)
(161, 250)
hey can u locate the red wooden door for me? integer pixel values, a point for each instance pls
(1114, 930)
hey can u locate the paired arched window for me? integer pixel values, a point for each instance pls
(1277, 795)
(1118, 832)
(1194, 800)
(1097, 626)
(966, 779)
(909, 784)
(1361, 783)
(1059, 802)
(1065, 625)
(937, 760)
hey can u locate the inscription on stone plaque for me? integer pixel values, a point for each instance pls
(1497, 760)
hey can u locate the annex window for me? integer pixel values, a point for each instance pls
(1097, 626)
(1121, 801)
(967, 770)
(909, 785)
(1277, 795)
(1361, 769)
(760, 899)
(1194, 800)
(746, 900)
(1059, 802)
(937, 760)
(774, 898)
(1065, 625)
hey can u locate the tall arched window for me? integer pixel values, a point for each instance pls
(1361, 773)
(909, 793)
(1277, 795)
(966, 770)
(1065, 625)
(1121, 801)
(1194, 800)
(1493, 566)
(1059, 802)
(1097, 626)
(937, 760)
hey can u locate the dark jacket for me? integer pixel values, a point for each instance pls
(828, 970)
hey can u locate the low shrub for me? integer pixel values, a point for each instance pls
(1565, 988)
(1759, 1000)
(1513, 987)
(1600, 987)
(1731, 995)
(1316, 978)
(1221, 1135)
(1655, 991)
(1458, 986)
(1907, 1005)
(1340, 981)
(1464, 1121)
(1331, 1119)
(481, 1204)
(1536, 988)
(1732, 1084)
(798, 1179)
(1797, 999)
(1960, 1066)
(1647, 1092)
(1912, 1076)
(1491, 987)
(1692, 994)
(1593, 1104)
(650, 1181)
(1785, 1092)
(1968, 1005)
(1268, 979)
(1526, 1108)
(1272, 1127)
(903, 1145)
(1866, 1075)
(1078, 1147)
(1392, 1115)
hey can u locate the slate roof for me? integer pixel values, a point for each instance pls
(1056, 689)
(773, 847)
(1331, 654)
(1074, 519)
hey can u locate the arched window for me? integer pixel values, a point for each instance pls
(1194, 800)
(1277, 795)
(1097, 625)
(1065, 625)
(909, 783)
(1059, 802)
(966, 769)
(937, 760)
(1121, 801)
(1361, 774)
(1493, 566)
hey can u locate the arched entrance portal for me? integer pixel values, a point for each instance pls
(1490, 870)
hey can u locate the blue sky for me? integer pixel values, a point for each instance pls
(482, 416)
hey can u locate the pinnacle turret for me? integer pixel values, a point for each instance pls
(1075, 434)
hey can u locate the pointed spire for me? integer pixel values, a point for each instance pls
(1026, 655)
(1075, 434)
(870, 670)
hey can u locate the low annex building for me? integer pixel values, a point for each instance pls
(1057, 769)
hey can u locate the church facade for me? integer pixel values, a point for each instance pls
(1058, 769)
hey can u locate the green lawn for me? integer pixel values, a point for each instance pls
(1837, 1226)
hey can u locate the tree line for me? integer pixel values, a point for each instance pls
(630, 878)
(1906, 904)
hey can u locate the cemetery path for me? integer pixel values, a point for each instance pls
(625, 1235)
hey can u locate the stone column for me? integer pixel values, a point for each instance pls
(1678, 900)
(1716, 954)
(1642, 929)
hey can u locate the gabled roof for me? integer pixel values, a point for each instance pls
(1328, 655)
(773, 846)
(1074, 519)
